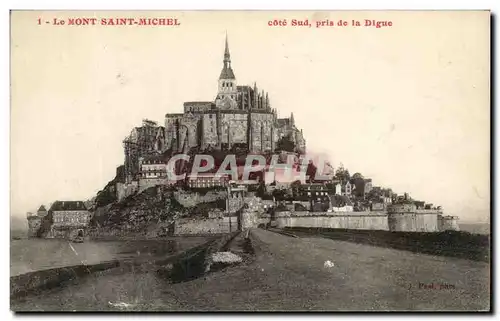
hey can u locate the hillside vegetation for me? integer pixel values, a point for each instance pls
(156, 207)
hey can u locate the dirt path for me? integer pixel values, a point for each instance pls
(289, 274)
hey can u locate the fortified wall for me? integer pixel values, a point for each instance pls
(34, 223)
(186, 226)
(406, 218)
(448, 223)
(398, 218)
(346, 220)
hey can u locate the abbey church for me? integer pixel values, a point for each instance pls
(240, 117)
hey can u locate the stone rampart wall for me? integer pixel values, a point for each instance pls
(206, 226)
(337, 220)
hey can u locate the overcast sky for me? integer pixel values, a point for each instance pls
(407, 105)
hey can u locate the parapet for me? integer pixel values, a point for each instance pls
(401, 208)
(429, 211)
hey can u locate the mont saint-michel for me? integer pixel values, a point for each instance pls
(219, 196)
(237, 125)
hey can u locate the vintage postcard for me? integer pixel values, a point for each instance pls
(250, 161)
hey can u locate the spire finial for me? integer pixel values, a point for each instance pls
(227, 56)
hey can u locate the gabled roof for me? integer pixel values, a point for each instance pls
(68, 206)
(42, 209)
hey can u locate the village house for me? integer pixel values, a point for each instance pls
(69, 219)
(368, 185)
(316, 194)
(314, 191)
(153, 167)
(42, 212)
(340, 203)
(207, 180)
(347, 188)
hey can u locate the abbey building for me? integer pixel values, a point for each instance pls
(240, 117)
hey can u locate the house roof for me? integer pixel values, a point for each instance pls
(244, 88)
(68, 206)
(313, 186)
(42, 209)
(198, 103)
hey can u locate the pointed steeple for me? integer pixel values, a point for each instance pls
(267, 100)
(227, 71)
(292, 120)
(227, 56)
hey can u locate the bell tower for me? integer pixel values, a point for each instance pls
(227, 91)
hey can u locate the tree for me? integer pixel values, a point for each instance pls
(375, 195)
(357, 176)
(342, 174)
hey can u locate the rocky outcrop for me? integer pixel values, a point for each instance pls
(155, 206)
(191, 199)
(152, 212)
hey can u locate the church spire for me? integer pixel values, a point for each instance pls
(227, 56)
(227, 71)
